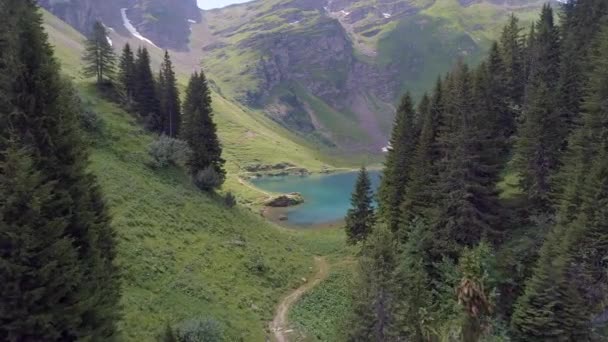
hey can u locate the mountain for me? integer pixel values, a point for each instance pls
(331, 71)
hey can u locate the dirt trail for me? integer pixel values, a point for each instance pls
(279, 325)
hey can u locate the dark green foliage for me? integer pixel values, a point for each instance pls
(208, 179)
(375, 303)
(147, 103)
(57, 248)
(200, 132)
(551, 308)
(170, 105)
(398, 162)
(414, 304)
(202, 329)
(230, 200)
(168, 335)
(99, 56)
(167, 151)
(126, 74)
(467, 179)
(512, 56)
(360, 218)
(540, 141)
(419, 200)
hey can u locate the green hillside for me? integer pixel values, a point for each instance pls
(182, 253)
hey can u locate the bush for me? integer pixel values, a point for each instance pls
(208, 179)
(203, 329)
(230, 200)
(167, 151)
(90, 121)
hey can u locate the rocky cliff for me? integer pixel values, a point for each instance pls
(165, 22)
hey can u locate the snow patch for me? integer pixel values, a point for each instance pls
(344, 13)
(386, 15)
(192, 21)
(387, 148)
(109, 40)
(294, 22)
(129, 26)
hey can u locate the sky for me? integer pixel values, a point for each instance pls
(210, 4)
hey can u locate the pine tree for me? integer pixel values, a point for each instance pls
(146, 96)
(469, 207)
(512, 56)
(99, 56)
(126, 74)
(419, 200)
(587, 140)
(373, 317)
(169, 98)
(58, 245)
(360, 219)
(200, 131)
(398, 162)
(414, 293)
(551, 308)
(537, 150)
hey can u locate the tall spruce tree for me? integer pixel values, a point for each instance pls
(146, 95)
(419, 200)
(360, 218)
(126, 73)
(99, 57)
(467, 181)
(398, 162)
(169, 98)
(539, 143)
(58, 248)
(512, 56)
(551, 309)
(374, 302)
(200, 131)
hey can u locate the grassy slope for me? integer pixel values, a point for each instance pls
(183, 254)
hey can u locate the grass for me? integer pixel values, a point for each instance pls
(321, 313)
(182, 253)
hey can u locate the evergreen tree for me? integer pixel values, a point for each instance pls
(146, 96)
(540, 139)
(398, 162)
(419, 200)
(99, 56)
(126, 74)
(57, 249)
(551, 309)
(467, 181)
(374, 303)
(512, 57)
(360, 218)
(200, 131)
(169, 98)
(414, 293)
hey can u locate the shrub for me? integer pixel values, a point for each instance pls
(208, 179)
(167, 151)
(230, 200)
(90, 121)
(202, 329)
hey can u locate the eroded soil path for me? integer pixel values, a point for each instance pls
(280, 325)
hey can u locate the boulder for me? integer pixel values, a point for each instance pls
(285, 200)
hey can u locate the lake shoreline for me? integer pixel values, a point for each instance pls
(326, 198)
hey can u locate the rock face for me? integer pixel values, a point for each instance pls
(165, 22)
(287, 200)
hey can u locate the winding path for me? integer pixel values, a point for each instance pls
(279, 325)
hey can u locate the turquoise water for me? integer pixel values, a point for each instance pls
(327, 197)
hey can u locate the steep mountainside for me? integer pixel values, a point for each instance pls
(328, 70)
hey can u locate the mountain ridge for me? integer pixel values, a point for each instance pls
(330, 71)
